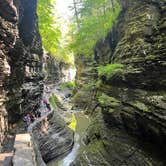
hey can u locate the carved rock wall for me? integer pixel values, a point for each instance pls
(21, 61)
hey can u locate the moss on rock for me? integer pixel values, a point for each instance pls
(110, 70)
(107, 101)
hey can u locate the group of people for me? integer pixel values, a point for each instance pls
(30, 117)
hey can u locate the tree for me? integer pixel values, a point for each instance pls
(76, 13)
(112, 4)
(49, 30)
(95, 19)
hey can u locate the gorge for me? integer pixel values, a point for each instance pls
(120, 86)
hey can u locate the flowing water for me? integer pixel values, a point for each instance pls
(82, 122)
(79, 123)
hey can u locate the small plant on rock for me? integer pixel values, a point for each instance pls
(110, 70)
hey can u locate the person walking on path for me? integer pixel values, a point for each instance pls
(45, 102)
(27, 119)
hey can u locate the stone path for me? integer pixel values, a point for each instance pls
(6, 157)
(24, 153)
(23, 150)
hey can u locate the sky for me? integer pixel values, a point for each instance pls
(62, 7)
(64, 13)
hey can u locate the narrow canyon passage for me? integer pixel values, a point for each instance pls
(82, 82)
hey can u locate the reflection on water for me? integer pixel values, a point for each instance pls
(82, 122)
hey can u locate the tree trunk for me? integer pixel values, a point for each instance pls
(112, 4)
(76, 13)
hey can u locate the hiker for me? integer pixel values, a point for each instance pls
(44, 101)
(27, 119)
(37, 113)
(48, 107)
(47, 89)
(32, 116)
(47, 104)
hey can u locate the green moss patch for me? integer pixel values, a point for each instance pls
(107, 101)
(67, 85)
(110, 70)
(53, 100)
(83, 96)
(141, 106)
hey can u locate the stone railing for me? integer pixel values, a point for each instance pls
(26, 152)
(38, 122)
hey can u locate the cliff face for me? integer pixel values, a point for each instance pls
(129, 108)
(8, 36)
(140, 87)
(21, 61)
(51, 69)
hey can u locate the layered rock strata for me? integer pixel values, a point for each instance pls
(21, 61)
(8, 35)
(54, 140)
(128, 124)
(51, 69)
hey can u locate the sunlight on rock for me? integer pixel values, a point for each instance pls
(45, 125)
(73, 123)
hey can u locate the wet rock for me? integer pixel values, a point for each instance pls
(53, 137)
(129, 122)
(111, 146)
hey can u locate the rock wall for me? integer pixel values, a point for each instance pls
(21, 61)
(53, 138)
(56, 72)
(128, 124)
(8, 34)
(51, 69)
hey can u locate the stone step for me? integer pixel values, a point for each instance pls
(23, 151)
(6, 159)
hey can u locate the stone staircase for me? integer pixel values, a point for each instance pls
(6, 159)
(23, 154)
(23, 151)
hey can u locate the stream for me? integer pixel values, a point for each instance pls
(81, 122)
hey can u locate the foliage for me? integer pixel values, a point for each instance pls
(53, 101)
(98, 84)
(67, 85)
(91, 21)
(48, 28)
(50, 31)
(110, 70)
(96, 19)
(141, 106)
(63, 55)
(84, 94)
(81, 97)
(107, 101)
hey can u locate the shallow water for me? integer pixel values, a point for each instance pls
(81, 125)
